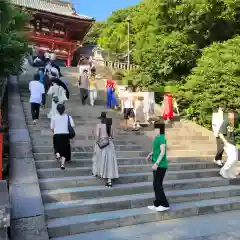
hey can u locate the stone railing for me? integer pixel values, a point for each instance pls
(4, 211)
(114, 65)
(119, 65)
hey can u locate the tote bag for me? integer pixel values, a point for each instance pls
(71, 130)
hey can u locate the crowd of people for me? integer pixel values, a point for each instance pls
(47, 82)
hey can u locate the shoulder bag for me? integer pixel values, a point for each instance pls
(71, 130)
(103, 142)
(55, 98)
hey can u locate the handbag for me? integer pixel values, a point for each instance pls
(103, 142)
(71, 130)
(55, 98)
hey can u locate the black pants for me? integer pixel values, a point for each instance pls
(35, 110)
(160, 198)
(220, 149)
(84, 95)
(62, 145)
(43, 99)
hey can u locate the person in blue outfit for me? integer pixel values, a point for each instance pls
(110, 91)
(42, 80)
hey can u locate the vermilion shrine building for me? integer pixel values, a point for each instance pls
(55, 26)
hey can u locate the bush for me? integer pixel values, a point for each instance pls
(215, 81)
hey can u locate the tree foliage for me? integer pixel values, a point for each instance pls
(215, 81)
(167, 36)
(94, 34)
(13, 41)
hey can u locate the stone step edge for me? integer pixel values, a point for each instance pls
(107, 220)
(124, 175)
(73, 168)
(141, 196)
(137, 185)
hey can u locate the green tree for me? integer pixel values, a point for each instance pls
(215, 80)
(13, 40)
(115, 34)
(94, 34)
(167, 37)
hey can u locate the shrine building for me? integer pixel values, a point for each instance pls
(55, 27)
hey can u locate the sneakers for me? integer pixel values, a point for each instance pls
(159, 209)
(218, 162)
(162, 209)
(152, 207)
(223, 174)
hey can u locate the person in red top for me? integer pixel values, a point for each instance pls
(167, 107)
(110, 90)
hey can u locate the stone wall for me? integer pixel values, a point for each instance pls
(27, 212)
(4, 210)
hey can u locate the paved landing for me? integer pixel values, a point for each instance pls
(221, 226)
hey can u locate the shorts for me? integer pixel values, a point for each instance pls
(128, 113)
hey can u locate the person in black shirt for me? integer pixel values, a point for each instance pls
(227, 135)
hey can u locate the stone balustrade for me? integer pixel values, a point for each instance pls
(119, 65)
(114, 65)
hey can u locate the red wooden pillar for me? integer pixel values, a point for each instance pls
(69, 60)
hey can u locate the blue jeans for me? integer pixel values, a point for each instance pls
(111, 99)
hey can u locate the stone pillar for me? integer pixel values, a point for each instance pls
(4, 210)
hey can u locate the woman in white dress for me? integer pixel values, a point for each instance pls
(58, 94)
(104, 158)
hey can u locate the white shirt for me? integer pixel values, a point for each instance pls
(217, 119)
(128, 103)
(37, 89)
(59, 124)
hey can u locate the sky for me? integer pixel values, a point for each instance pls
(101, 9)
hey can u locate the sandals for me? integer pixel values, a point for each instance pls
(62, 160)
(58, 157)
(108, 184)
(62, 166)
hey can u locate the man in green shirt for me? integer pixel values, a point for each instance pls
(227, 135)
(160, 165)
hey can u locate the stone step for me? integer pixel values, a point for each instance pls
(118, 147)
(90, 192)
(124, 178)
(122, 136)
(49, 149)
(82, 207)
(84, 131)
(191, 145)
(87, 171)
(129, 154)
(92, 222)
(43, 164)
(76, 155)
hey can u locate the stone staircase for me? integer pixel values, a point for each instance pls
(76, 203)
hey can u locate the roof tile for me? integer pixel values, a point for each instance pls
(50, 6)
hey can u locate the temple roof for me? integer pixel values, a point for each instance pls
(53, 6)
